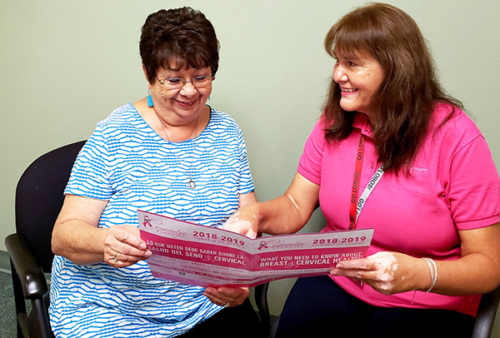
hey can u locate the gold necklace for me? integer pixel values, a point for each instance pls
(191, 182)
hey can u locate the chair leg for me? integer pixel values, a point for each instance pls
(19, 302)
(261, 301)
(274, 328)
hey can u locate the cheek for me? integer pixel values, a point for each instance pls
(374, 84)
(164, 94)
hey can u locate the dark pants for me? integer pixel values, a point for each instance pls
(239, 321)
(318, 307)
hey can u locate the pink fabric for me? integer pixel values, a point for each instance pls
(453, 185)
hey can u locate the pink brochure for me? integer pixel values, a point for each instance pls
(207, 256)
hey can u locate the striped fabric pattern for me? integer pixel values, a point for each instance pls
(127, 163)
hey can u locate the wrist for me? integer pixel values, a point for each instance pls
(433, 271)
(428, 274)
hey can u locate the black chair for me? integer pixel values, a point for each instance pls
(486, 314)
(260, 297)
(39, 198)
(482, 327)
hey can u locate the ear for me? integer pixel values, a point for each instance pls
(146, 74)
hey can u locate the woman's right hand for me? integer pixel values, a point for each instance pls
(123, 246)
(244, 221)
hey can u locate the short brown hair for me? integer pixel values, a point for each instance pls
(183, 36)
(405, 100)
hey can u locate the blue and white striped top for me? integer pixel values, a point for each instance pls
(127, 163)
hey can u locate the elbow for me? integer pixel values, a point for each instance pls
(54, 244)
(495, 281)
(57, 243)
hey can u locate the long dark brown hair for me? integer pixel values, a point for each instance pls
(404, 102)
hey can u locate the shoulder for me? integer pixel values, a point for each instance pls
(122, 125)
(320, 127)
(451, 131)
(120, 117)
(450, 122)
(219, 117)
(221, 122)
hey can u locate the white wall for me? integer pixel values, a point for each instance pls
(67, 64)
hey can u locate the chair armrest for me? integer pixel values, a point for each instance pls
(30, 274)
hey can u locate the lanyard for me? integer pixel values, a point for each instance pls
(357, 204)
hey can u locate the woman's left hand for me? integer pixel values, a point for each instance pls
(387, 272)
(226, 296)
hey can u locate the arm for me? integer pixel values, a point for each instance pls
(246, 199)
(228, 296)
(477, 271)
(77, 237)
(290, 212)
(285, 214)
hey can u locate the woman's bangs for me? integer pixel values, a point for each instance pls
(351, 42)
(176, 63)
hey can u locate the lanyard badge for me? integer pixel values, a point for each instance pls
(357, 204)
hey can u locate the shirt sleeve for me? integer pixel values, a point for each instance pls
(312, 157)
(90, 176)
(474, 187)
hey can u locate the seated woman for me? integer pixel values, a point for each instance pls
(170, 154)
(391, 152)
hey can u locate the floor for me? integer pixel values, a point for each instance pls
(7, 311)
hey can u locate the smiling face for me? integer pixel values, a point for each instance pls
(184, 104)
(359, 77)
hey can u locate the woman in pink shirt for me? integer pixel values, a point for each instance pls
(394, 153)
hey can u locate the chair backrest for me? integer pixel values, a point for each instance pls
(39, 198)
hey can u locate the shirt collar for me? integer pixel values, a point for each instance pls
(362, 123)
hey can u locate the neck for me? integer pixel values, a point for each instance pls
(177, 132)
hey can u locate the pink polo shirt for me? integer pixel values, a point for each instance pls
(453, 185)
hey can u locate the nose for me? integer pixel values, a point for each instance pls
(188, 89)
(339, 74)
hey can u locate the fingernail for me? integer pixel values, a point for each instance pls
(142, 246)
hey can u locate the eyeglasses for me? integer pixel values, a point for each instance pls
(202, 81)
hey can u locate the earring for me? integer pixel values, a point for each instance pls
(150, 100)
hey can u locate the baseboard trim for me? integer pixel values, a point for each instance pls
(4, 261)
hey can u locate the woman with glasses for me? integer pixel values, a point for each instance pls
(390, 152)
(171, 154)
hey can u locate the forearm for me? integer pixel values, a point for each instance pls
(472, 274)
(476, 271)
(290, 212)
(79, 242)
(281, 215)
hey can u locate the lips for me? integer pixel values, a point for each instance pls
(348, 91)
(185, 104)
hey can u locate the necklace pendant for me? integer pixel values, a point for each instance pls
(192, 185)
